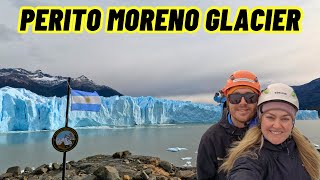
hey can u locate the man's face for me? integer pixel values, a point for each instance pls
(242, 112)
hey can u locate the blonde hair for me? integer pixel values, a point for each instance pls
(253, 142)
(308, 154)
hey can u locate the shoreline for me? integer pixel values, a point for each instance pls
(120, 165)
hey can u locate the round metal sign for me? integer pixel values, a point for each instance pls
(65, 139)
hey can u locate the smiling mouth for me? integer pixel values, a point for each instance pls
(243, 110)
(276, 132)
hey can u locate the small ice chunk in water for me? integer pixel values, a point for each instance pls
(188, 164)
(176, 149)
(173, 149)
(186, 158)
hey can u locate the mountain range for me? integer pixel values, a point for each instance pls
(47, 85)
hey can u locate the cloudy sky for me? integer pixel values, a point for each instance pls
(174, 66)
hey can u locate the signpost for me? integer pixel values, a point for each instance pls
(66, 138)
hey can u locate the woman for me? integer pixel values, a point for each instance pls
(275, 149)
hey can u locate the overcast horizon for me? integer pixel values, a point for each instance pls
(174, 66)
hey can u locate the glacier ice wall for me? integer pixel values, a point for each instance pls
(22, 110)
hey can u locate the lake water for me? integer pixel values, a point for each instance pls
(34, 149)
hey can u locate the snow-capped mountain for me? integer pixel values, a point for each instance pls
(48, 85)
(309, 95)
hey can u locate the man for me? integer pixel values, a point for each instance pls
(242, 91)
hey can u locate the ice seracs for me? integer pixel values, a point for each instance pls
(22, 110)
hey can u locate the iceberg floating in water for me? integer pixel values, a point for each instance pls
(173, 149)
(188, 164)
(186, 158)
(176, 149)
(22, 110)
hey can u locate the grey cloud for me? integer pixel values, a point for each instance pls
(163, 65)
(19, 3)
(7, 34)
(170, 85)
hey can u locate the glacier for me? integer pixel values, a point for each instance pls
(23, 110)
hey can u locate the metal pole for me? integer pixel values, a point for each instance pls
(68, 97)
(64, 165)
(67, 112)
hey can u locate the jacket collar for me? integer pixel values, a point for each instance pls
(287, 145)
(233, 130)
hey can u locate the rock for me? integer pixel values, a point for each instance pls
(24, 178)
(75, 178)
(175, 178)
(157, 171)
(117, 155)
(85, 165)
(152, 177)
(161, 178)
(33, 178)
(72, 163)
(148, 171)
(154, 161)
(137, 176)
(15, 170)
(40, 170)
(166, 166)
(125, 154)
(88, 168)
(126, 177)
(90, 177)
(6, 175)
(144, 175)
(47, 178)
(127, 167)
(28, 170)
(126, 161)
(55, 166)
(107, 173)
(68, 166)
(186, 174)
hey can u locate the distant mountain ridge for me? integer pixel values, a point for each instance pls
(309, 95)
(47, 85)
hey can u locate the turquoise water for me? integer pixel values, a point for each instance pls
(35, 149)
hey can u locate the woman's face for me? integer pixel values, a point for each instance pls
(276, 125)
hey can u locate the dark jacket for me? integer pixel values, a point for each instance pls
(213, 147)
(275, 162)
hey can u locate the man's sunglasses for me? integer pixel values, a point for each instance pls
(249, 97)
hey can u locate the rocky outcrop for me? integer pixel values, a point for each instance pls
(120, 165)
